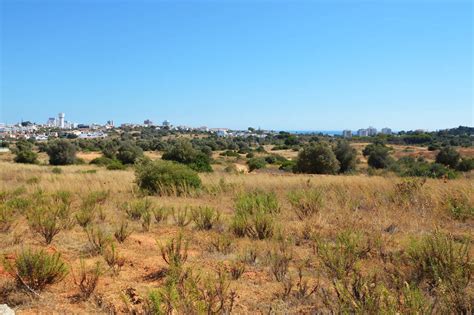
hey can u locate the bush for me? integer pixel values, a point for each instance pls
(287, 166)
(87, 280)
(256, 164)
(317, 159)
(444, 264)
(128, 153)
(61, 152)
(98, 238)
(379, 155)
(24, 153)
(205, 217)
(466, 165)
(340, 257)
(46, 223)
(346, 155)
(306, 203)
(56, 170)
(175, 252)
(122, 232)
(36, 269)
(448, 156)
(183, 152)
(165, 178)
(102, 161)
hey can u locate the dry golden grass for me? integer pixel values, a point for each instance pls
(360, 203)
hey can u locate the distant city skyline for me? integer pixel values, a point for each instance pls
(280, 65)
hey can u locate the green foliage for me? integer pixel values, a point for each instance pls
(466, 165)
(128, 153)
(340, 257)
(36, 268)
(222, 243)
(175, 252)
(378, 155)
(6, 219)
(24, 153)
(317, 158)
(87, 280)
(85, 216)
(448, 156)
(61, 152)
(56, 170)
(287, 166)
(255, 201)
(181, 216)
(161, 214)
(113, 258)
(122, 232)
(183, 152)
(446, 266)
(98, 238)
(136, 208)
(256, 164)
(205, 217)
(408, 166)
(306, 203)
(46, 222)
(460, 208)
(166, 178)
(346, 155)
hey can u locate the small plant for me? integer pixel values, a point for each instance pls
(122, 232)
(113, 259)
(257, 201)
(249, 256)
(35, 269)
(340, 257)
(445, 265)
(56, 170)
(175, 252)
(161, 214)
(237, 269)
(262, 226)
(146, 220)
(46, 223)
(240, 225)
(205, 217)
(181, 216)
(306, 203)
(460, 208)
(222, 243)
(279, 262)
(6, 219)
(137, 208)
(85, 217)
(98, 238)
(87, 280)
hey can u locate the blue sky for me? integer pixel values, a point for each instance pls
(294, 65)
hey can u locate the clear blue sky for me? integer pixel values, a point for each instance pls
(295, 65)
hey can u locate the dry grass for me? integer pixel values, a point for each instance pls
(374, 206)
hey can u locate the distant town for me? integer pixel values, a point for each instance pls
(56, 127)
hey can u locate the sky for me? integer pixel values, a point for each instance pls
(281, 65)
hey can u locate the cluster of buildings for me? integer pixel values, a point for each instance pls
(367, 132)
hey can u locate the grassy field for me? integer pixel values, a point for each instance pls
(331, 236)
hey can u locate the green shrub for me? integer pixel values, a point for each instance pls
(448, 156)
(175, 252)
(56, 170)
(137, 208)
(26, 156)
(161, 214)
(116, 165)
(317, 158)
(46, 223)
(98, 238)
(261, 226)
(122, 232)
(61, 152)
(102, 161)
(287, 166)
(346, 155)
(36, 268)
(146, 220)
(446, 266)
(205, 217)
(181, 216)
(340, 257)
(183, 152)
(113, 258)
(256, 164)
(222, 243)
(128, 153)
(84, 217)
(306, 203)
(466, 165)
(254, 201)
(460, 208)
(166, 178)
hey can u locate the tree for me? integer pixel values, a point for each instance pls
(448, 156)
(183, 152)
(256, 164)
(24, 153)
(61, 152)
(466, 165)
(317, 158)
(129, 153)
(346, 155)
(379, 155)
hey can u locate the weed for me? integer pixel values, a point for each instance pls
(222, 243)
(205, 217)
(306, 203)
(122, 232)
(161, 214)
(175, 252)
(237, 269)
(181, 216)
(35, 269)
(279, 261)
(98, 238)
(146, 220)
(87, 280)
(113, 259)
(46, 223)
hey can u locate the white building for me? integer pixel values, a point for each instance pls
(363, 133)
(347, 133)
(61, 120)
(386, 131)
(372, 131)
(51, 122)
(166, 123)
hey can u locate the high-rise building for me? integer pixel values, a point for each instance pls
(61, 120)
(363, 133)
(166, 123)
(51, 122)
(347, 133)
(372, 131)
(386, 131)
(148, 123)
